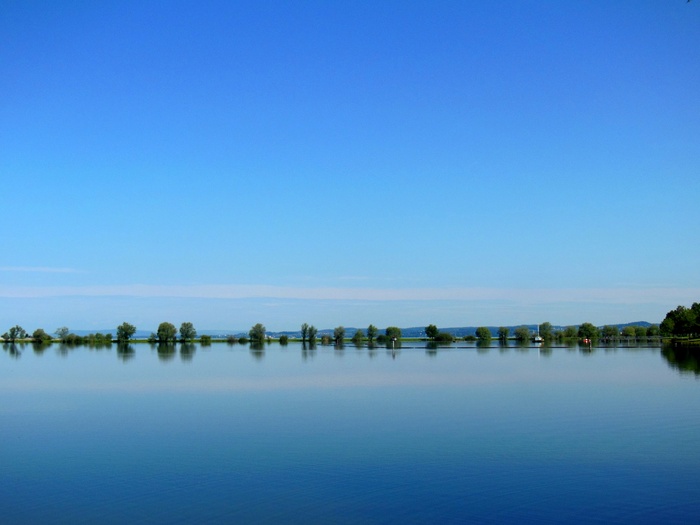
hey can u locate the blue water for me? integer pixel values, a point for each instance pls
(226, 435)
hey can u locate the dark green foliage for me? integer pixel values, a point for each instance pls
(312, 334)
(444, 337)
(570, 332)
(610, 332)
(431, 331)
(546, 331)
(243, 340)
(187, 332)
(371, 333)
(503, 333)
(382, 339)
(682, 322)
(653, 331)
(14, 333)
(393, 332)
(339, 335)
(284, 340)
(629, 332)
(325, 339)
(257, 334)
(522, 333)
(231, 340)
(357, 338)
(166, 332)
(124, 332)
(470, 338)
(483, 333)
(205, 340)
(304, 332)
(588, 331)
(40, 336)
(640, 332)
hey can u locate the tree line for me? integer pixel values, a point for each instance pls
(679, 322)
(682, 322)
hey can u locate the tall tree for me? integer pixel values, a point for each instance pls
(522, 333)
(483, 333)
(257, 334)
(62, 333)
(187, 332)
(166, 332)
(546, 331)
(304, 332)
(503, 333)
(357, 338)
(16, 332)
(371, 333)
(393, 332)
(339, 335)
(312, 334)
(588, 331)
(610, 332)
(124, 332)
(431, 331)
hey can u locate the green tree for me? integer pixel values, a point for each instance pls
(166, 332)
(431, 331)
(62, 333)
(522, 333)
(444, 337)
(284, 340)
(682, 322)
(16, 332)
(546, 331)
(483, 333)
(339, 335)
(153, 338)
(371, 333)
(357, 338)
(187, 332)
(653, 331)
(257, 334)
(570, 332)
(40, 336)
(312, 334)
(393, 332)
(640, 332)
(124, 332)
(326, 339)
(304, 332)
(629, 332)
(503, 333)
(588, 331)
(610, 332)
(205, 340)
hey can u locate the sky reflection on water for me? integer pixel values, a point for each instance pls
(495, 436)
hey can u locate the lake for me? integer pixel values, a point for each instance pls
(226, 434)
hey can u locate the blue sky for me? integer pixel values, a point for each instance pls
(347, 163)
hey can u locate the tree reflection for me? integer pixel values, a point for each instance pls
(187, 351)
(683, 358)
(125, 352)
(166, 351)
(257, 350)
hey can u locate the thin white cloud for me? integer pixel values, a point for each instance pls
(36, 269)
(529, 296)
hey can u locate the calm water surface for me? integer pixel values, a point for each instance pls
(225, 434)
